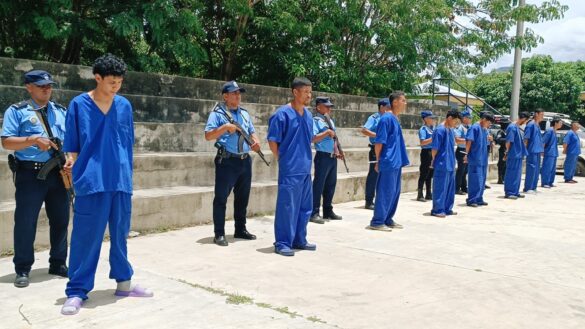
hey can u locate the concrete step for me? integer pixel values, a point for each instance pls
(171, 207)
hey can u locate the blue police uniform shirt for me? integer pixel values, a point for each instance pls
(573, 143)
(103, 143)
(319, 126)
(425, 132)
(444, 144)
(532, 134)
(477, 155)
(517, 148)
(372, 125)
(389, 133)
(549, 139)
(460, 132)
(293, 133)
(231, 141)
(21, 120)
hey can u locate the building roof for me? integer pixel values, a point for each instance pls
(425, 88)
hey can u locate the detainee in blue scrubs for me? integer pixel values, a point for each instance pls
(551, 153)
(535, 149)
(369, 129)
(326, 155)
(477, 159)
(572, 149)
(444, 166)
(391, 154)
(515, 153)
(290, 132)
(99, 140)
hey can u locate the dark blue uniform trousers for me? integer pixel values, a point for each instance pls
(570, 166)
(236, 174)
(324, 182)
(461, 173)
(91, 215)
(443, 192)
(30, 195)
(387, 196)
(548, 170)
(532, 171)
(476, 183)
(371, 178)
(294, 205)
(513, 177)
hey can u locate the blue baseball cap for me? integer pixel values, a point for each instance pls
(427, 114)
(384, 102)
(323, 100)
(38, 77)
(466, 112)
(231, 86)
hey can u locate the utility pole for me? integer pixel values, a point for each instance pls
(515, 104)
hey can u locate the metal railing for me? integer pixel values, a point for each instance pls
(462, 88)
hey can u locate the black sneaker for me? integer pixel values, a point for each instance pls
(21, 280)
(332, 216)
(316, 219)
(60, 270)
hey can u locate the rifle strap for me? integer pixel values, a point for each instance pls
(42, 114)
(230, 118)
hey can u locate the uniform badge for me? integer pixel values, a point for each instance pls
(33, 120)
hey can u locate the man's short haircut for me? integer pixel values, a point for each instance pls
(524, 115)
(109, 65)
(395, 95)
(300, 82)
(453, 114)
(539, 110)
(554, 121)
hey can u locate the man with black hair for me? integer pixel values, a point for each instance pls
(391, 154)
(369, 129)
(233, 166)
(535, 148)
(500, 139)
(572, 148)
(551, 152)
(290, 132)
(99, 140)
(477, 159)
(515, 153)
(443, 154)
(24, 132)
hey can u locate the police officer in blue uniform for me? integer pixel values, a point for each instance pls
(23, 132)
(477, 159)
(325, 162)
(369, 130)
(460, 133)
(535, 148)
(572, 148)
(425, 135)
(551, 152)
(233, 165)
(515, 153)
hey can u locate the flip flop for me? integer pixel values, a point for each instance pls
(71, 306)
(137, 291)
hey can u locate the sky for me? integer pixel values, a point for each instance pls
(564, 39)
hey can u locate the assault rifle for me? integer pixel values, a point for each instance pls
(336, 141)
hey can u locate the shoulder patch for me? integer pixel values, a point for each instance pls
(21, 105)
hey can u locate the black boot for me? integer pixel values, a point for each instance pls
(429, 195)
(420, 196)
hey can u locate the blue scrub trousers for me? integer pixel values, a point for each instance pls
(371, 178)
(92, 213)
(548, 171)
(294, 205)
(387, 195)
(443, 192)
(513, 177)
(570, 166)
(476, 184)
(532, 170)
(324, 182)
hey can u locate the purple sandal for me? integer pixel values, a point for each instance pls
(137, 291)
(71, 306)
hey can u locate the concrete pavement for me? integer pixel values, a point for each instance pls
(512, 264)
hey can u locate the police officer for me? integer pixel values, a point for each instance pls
(325, 162)
(425, 135)
(369, 130)
(500, 139)
(460, 133)
(233, 166)
(23, 132)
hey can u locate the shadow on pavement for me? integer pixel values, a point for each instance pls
(96, 298)
(35, 276)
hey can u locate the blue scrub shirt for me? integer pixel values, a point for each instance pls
(372, 125)
(534, 138)
(21, 120)
(549, 139)
(517, 148)
(573, 143)
(444, 144)
(103, 143)
(478, 152)
(227, 140)
(393, 154)
(319, 126)
(425, 132)
(294, 134)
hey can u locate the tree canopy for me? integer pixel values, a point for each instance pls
(349, 46)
